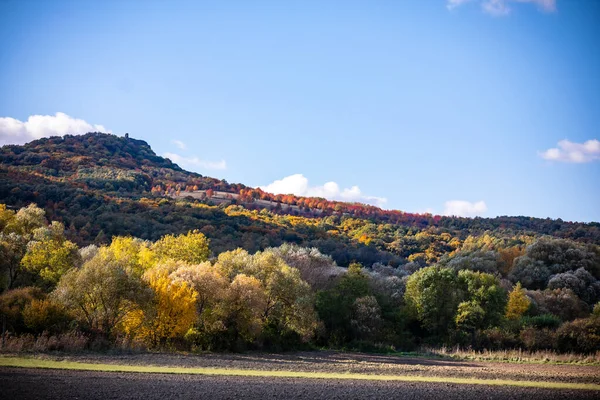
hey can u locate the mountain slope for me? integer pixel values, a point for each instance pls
(100, 185)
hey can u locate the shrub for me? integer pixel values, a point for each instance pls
(46, 315)
(548, 321)
(496, 339)
(562, 302)
(580, 336)
(538, 339)
(12, 304)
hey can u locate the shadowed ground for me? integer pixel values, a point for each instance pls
(20, 383)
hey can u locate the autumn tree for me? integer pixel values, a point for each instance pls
(169, 314)
(581, 282)
(290, 303)
(101, 293)
(289, 300)
(27, 219)
(46, 315)
(211, 293)
(507, 258)
(243, 308)
(12, 304)
(518, 303)
(132, 253)
(317, 269)
(191, 247)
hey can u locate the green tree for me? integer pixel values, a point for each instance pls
(336, 306)
(433, 295)
(12, 249)
(49, 254)
(470, 316)
(484, 290)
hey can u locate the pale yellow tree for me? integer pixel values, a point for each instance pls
(101, 294)
(289, 302)
(211, 292)
(243, 307)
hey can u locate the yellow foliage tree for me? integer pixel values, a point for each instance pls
(507, 258)
(518, 303)
(170, 314)
(191, 248)
(131, 252)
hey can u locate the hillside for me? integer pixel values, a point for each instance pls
(250, 270)
(100, 185)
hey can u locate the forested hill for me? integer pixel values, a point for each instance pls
(100, 185)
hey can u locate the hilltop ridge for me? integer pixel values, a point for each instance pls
(101, 185)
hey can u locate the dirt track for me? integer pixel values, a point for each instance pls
(60, 384)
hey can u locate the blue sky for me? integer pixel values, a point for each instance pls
(471, 107)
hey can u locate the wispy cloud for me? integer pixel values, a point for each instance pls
(503, 7)
(179, 144)
(463, 208)
(571, 152)
(195, 162)
(452, 4)
(13, 131)
(298, 185)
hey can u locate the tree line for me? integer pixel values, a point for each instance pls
(176, 292)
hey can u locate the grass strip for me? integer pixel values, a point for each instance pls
(21, 362)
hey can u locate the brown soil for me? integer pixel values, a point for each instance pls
(354, 363)
(25, 384)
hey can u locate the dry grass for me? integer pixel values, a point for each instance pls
(72, 341)
(514, 356)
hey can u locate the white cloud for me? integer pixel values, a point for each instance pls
(503, 7)
(179, 144)
(13, 131)
(298, 185)
(195, 162)
(427, 210)
(568, 151)
(462, 208)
